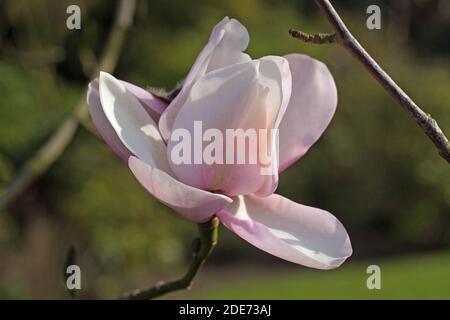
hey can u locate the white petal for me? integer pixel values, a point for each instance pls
(310, 110)
(226, 43)
(102, 124)
(249, 96)
(191, 203)
(288, 230)
(132, 124)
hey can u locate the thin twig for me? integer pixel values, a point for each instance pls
(348, 41)
(61, 138)
(315, 38)
(208, 240)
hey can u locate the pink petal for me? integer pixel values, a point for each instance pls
(132, 124)
(250, 97)
(153, 105)
(226, 43)
(193, 204)
(102, 124)
(310, 110)
(300, 234)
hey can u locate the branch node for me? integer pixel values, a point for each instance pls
(315, 38)
(345, 38)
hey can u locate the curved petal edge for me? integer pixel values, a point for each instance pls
(102, 124)
(300, 234)
(191, 203)
(310, 110)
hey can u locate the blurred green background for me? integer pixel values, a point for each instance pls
(373, 168)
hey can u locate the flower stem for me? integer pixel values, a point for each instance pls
(208, 237)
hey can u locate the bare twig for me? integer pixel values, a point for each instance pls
(60, 139)
(348, 41)
(316, 38)
(207, 241)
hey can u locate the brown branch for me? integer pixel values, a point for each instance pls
(348, 41)
(316, 38)
(61, 138)
(207, 242)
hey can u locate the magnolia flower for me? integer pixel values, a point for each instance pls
(226, 89)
